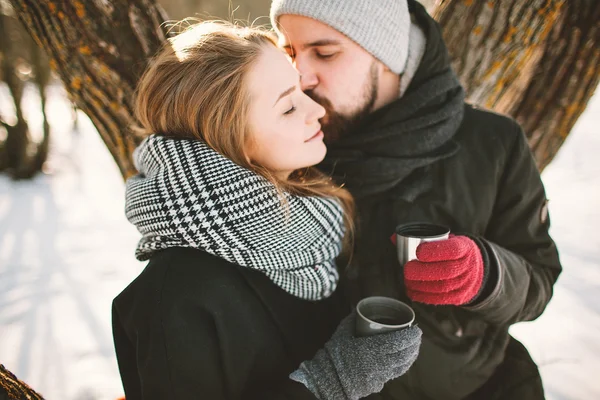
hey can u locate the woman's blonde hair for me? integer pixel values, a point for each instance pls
(195, 88)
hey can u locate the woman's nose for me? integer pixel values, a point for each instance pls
(317, 111)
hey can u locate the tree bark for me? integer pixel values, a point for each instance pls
(536, 60)
(99, 49)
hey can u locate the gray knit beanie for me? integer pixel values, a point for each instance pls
(381, 27)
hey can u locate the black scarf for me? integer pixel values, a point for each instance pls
(412, 132)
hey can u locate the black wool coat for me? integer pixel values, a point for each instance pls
(491, 190)
(194, 326)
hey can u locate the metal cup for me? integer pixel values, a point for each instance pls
(378, 314)
(410, 236)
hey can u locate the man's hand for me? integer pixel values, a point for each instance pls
(446, 272)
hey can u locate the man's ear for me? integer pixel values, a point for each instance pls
(386, 71)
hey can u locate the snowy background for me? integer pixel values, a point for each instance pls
(66, 250)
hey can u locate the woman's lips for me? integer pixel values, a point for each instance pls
(316, 136)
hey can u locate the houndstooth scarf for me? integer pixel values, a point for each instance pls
(188, 195)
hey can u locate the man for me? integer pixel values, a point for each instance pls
(402, 140)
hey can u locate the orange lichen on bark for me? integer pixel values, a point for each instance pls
(592, 67)
(493, 68)
(510, 33)
(79, 9)
(571, 110)
(76, 83)
(550, 15)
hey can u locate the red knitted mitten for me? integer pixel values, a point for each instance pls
(448, 272)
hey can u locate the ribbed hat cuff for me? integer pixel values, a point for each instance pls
(374, 38)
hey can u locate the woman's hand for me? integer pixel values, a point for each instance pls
(350, 367)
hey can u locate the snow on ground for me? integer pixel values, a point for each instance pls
(66, 250)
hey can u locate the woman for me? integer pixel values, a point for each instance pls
(239, 298)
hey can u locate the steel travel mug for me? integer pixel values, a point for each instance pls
(379, 314)
(410, 236)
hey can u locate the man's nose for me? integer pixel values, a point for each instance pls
(308, 77)
(308, 81)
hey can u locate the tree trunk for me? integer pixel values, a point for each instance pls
(41, 72)
(536, 60)
(99, 49)
(17, 135)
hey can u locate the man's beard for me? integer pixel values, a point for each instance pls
(336, 125)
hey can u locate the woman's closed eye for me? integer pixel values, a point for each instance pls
(290, 111)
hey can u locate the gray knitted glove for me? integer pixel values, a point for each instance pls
(351, 367)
